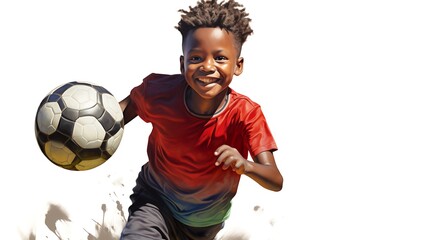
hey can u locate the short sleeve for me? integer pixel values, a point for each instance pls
(257, 132)
(138, 100)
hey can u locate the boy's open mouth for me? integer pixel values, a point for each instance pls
(207, 80)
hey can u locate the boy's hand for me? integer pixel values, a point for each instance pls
(230, 158)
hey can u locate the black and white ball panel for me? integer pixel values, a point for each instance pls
(79, 125)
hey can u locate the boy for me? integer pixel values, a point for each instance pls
(202, 132)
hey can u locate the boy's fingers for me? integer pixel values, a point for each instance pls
(219, 152)
(219, 159)
(220, 149)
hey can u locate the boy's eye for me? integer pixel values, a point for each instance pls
(221, 58)
(195, 59)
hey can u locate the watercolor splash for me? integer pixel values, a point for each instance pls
(107, 224)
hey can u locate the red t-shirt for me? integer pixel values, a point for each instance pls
(181, 147)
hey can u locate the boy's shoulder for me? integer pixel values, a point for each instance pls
(239, 100)
(161, 78)
(158, 82)
(157, 85)
(241, 97)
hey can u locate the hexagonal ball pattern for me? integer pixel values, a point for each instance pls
(79, 125)
(113, 142)
(112, 106)
(59, 153)
(48, 117)
(88, 132)
(80, 97)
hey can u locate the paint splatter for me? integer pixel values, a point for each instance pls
(120, 209)
(106, 227)
(55, 214)
(103, 231)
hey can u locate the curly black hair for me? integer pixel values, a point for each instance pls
(229, 15)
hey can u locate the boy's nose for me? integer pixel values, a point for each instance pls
(208, 66)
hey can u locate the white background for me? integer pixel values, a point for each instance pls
(343, 84)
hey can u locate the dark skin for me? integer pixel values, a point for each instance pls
(209, 62)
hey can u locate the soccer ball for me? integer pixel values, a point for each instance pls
(79, 125)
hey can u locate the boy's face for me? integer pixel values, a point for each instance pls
(210, 60)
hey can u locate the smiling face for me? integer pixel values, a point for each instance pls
(209, 62)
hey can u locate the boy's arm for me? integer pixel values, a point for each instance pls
(263, 170)
(127, 109)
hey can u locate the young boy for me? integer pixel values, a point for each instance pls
(202, 132)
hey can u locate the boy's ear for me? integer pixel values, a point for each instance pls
(239, 66)
(182, 64)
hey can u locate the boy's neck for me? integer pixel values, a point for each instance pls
(205, 107)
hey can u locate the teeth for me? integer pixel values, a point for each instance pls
(208, 80)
